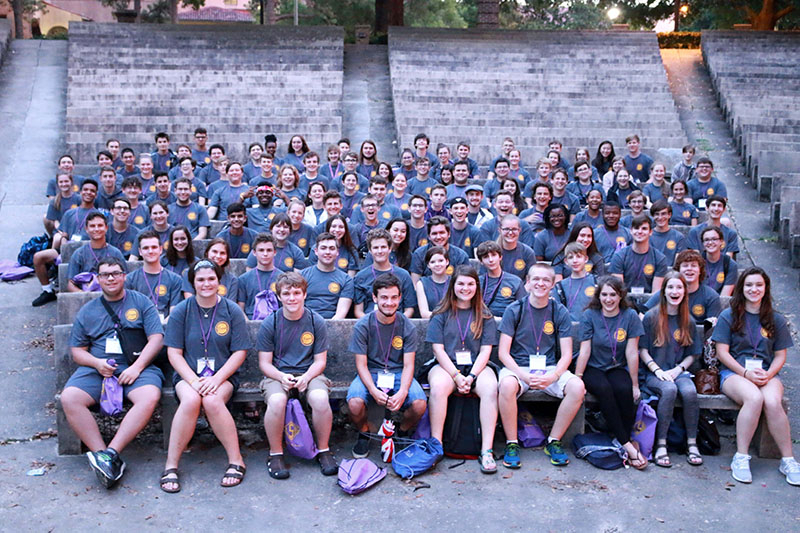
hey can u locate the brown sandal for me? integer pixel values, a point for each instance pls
(238, 475)
(170, 475)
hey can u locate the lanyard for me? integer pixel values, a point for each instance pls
(458, 325)
(334, 173)
(205, 336)
(94, 255)
(258, 278)
(638, 266)
(79, 225)
(574, 297)
(388, 350)
(496, 287)
(612, 339)
(153, 292)
(536, 338)
(292, 333)
(755, 340)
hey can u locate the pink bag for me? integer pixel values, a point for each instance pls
(644, 429)
(297, 433)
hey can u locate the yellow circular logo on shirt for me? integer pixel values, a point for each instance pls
(720, 277)
(138, 219)
(589, 291)
(272, 286)
(427, 190)
(621, 239)
(676, 335)
(519, 264)
(222, 290)
(342, 262)
(449, 270)
(131, 315)
(423, 242)
(334, 288)
(208, 160)
(639, 166)
(671, 244)
(404, 207)
(649, 269)
(245, 248)
(358, 187)
(289, 262)
(397, 343)
(548, 328)
(162, 290)
(588, 267)
(307, 338)
(165, 245)
(152, 188)
(505, 292)
(194, 189)
(764, 333)
(75, 188)
(710, 191)
(302, 243)
(467, 242)
(386, 215)
(621, 335)
(698, 310)
(222, 328)
(270, 216)
(127, 246)
(686, 214)
(191, 216)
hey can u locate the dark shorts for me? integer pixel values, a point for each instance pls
(90, 381)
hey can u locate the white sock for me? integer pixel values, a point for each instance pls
(742, 455)
(786, 459)
(325, 450)
(551, 439)
(512, 441)
(48, 287)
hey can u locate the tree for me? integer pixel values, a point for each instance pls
(768, 17)
(388, 13)
(22, 9)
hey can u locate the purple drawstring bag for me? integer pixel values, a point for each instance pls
(529, 433)
(13, 271)
(111, 395)
(423, 430)
(266, 303)
(297, 433)
(87, 282)
(644, 429)
(357, 475)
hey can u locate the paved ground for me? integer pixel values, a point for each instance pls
(576, 498)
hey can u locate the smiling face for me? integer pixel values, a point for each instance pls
(642, 233)
(674, 291)
(287, 178)
(398, 232)
(662, 218)
(159, 216)
(657, 172)
(463, 151)
(539, 282)
(255, 154)
(509, 232)
(217, 254)
(502, 169)
(206, 283)
(327, 253)
(297, 144)
(465, 288)
(557, 218)
(150, 250)
(387, 300)
(576, 262)
(585, 237)
(438, 235)
(711, 242)
(559, 181)
(459, 212)
(754, 287)
(96, 228)
(183, 192)
(514, 157)
(594, 199)
(704, 171)
(384, 170)
(609, 299)
(379, 249)
(690, 271)
(438, 264)
(417, 208)
(146, 166)
(368, 150)
(180, 240)
(636, 204)
(611, 214)
(88, 193)
(312, 164)
(186, 169)
(121, 212)
(337, 228)
(293, 299)
(281, 231)
(399, 184)
(633, 146)
(66, 164)
(64, 182)
(111, 279)
(623, 178)
(605, 149)
(679, 191)
(296, 213)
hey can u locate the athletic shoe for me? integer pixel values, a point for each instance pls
(276, 467)
(511, 456)
(361, 447)
(45, 298)
(740, 468)
(555, 451)
(791, 469)
(107, 465)
(327, 463)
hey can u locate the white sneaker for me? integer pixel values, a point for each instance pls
(791, 469)
(740, 468)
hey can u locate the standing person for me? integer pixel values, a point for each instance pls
(668, 347)
(180, 252)
(752, 340)
(384, 344)
(432, 288)
(609, 360)
(535, 348)
(330, 290)
(93, 343)
(160, 285)
(288, 364)
(200, 152)
(637, 162)
(462, 332)
(640, 266)
(499, 289)
(206, 353)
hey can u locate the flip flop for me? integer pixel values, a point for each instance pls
(487, 462)
(694, 459)
(662, 459)
(238, 475)
(641, 459)
(166, 478)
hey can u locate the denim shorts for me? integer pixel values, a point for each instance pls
(357, 389)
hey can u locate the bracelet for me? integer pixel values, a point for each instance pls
(195, 380)
(473, 376)
(579, 375)
(744, 375)
(454, 374)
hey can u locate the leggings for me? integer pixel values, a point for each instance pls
(614, 392)
(667, 392)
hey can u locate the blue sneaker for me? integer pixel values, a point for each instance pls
(511, 456)
(555, 451)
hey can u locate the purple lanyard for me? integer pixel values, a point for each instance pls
(94, 255)
(79, 226)
(612, 339)
(380, 343)
(577, 291)
(153, 292)
(205, 336)
(458, 325)
(292, 333)
(537, 338)
(496, 287)
(332, 172)
(135, 211)
(638, 266)
(258, 278)
(374, 275)
(755, 340)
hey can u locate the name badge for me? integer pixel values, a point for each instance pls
(751, 363)
(162, 318)
(463, 357)
(701, 203)
(205, 367)
(75, 238)
(637, 290)
(113, 346)
(537, 362)
(385, 380)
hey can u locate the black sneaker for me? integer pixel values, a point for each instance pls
(361, 447)
(327, 463)
(45, 298)
(107, 465)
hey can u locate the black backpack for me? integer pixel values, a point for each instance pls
(462, 427)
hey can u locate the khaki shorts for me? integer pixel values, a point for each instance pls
(271, 386)
(556, 389)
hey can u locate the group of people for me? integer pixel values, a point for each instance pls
(549, 254)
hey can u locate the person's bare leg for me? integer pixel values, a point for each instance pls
(777, 421)
(183, 426)
(358, 414)
(486, 389)
(507, 401)
(144, 399)
(413, 414)
(41, 260)
(747, 394)
(321, 416)
(273, 422)
(574, 393)
(442, 387)
(76, 403)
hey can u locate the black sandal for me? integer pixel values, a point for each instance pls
(238, 475)
(277, 467)
(166, 478)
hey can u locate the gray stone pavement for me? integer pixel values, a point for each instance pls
(539, 496)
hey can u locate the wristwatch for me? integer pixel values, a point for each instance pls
(473, 376)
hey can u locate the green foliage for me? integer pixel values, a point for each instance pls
(346, 13)
(679, 39)
(434, 14)
(552, 15)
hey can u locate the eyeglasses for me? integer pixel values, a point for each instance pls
(509, 230)
(122, 208)
(369, 206)
(715, 239)
(109, 275)
(704, 166)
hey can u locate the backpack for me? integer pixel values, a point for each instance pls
(13, 271)
(600, 450)
(266, 304)
(357, 475)
(461, 438)
(417, 458)
(28, 249)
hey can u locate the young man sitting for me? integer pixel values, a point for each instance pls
(239, 238)
(640, 266)
(715, 207)
(666, 240)
(379, 245)
(577, 290)
(121, 235)
(499, 289)
(185, 212)
(262, 277)
(87, 258)
(330, 290)
(463, 234)
(160, 285)
(438, 235)
(610, 236)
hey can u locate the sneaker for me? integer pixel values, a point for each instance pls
(327, 463)
(45, 298)
(555, 451)
(511, 456)
(276, 467)
(107, 465)
(740, 468)
(361, 447)
(791, 469)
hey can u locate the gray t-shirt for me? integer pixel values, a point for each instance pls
(293, 343)
(325, 289)
(383, 344)
(165, 289)
(609, 336)
(535, 331)
(455, 331)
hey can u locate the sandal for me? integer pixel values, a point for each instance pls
(693, 456)
(662, 458)
(170, 475)
(277, 467)
(640, 460)
(487, 462)
(237, 476)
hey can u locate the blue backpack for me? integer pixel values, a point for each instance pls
(417, 458)
(600, 450)
(35, 244)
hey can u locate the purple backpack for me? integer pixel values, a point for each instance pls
(13, 271)
(644, 429)
(297, 433)
(423, 430)
(87, 281)
(111, 395)
(529, 433)
(266, 304)
(357, 475)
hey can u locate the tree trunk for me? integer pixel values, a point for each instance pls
(269, 8)
(137, 6)
(16, 6)
(388, 13)
(488, 14)
(766, 19)
(677, 15)
(173, 11)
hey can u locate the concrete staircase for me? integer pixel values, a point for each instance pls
(240, 82)
(580, 87)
